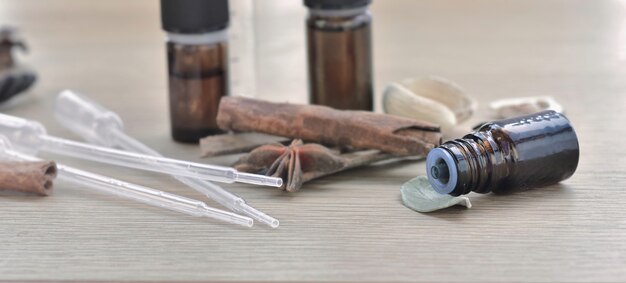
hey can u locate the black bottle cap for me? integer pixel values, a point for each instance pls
(194, 16)
(336, 4)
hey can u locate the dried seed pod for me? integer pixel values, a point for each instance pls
(299, 162)
(14, 81)
(14, 78)
(431, 99)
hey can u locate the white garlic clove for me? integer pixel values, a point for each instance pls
(431, 99)
(512, 107)
(399, 100)
(445, 92)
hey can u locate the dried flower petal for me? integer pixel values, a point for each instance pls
(419, 195)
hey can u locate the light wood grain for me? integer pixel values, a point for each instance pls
(351, 226)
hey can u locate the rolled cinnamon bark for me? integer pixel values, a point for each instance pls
(33, 177)
(313, 123)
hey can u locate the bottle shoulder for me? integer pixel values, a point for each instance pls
(339, 23)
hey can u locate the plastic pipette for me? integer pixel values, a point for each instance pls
(30, 136)
(131, 191)
(101, 126)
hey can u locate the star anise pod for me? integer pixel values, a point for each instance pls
(299, 162)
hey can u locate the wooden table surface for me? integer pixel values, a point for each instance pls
(350, 226)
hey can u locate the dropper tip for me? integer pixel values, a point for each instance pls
(249, 223)
(228, 216)
(260, 216)
(274, 223)
(243, 221)
(257, 179)
(279, 182)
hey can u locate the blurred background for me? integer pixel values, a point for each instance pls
(114, 51)
(520, 48)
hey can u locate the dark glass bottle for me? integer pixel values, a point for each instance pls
(340, 53)
(504, 156)
(197, 64)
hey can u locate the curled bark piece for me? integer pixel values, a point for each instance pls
(324, 125)
(299, 162)
(33, 177)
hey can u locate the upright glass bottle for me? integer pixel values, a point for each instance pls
(197, 64)
(340, 53)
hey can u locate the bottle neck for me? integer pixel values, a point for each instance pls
(207, 38)
(339, 20)
(337, 13)
(474, 163)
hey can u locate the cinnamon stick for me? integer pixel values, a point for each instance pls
(33, 177)
(313, 123)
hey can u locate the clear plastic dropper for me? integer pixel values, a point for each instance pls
(131, 191)
(30, 136)
(98, 125)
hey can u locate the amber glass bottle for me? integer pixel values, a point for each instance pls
(197, 64)
(504, 156)
(340, 53)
